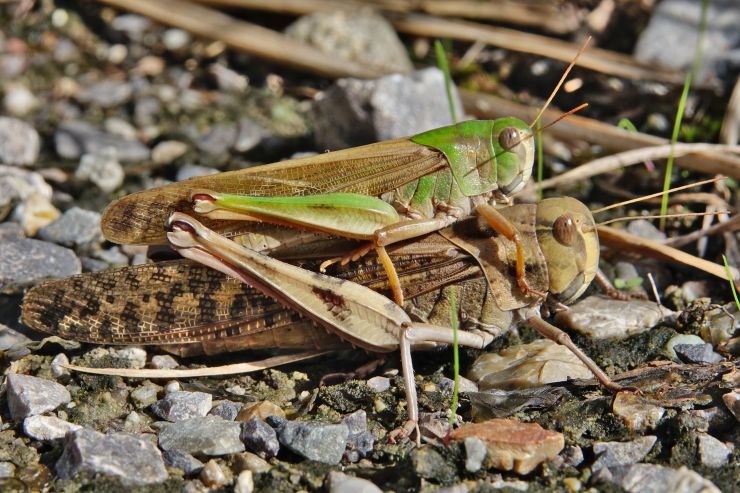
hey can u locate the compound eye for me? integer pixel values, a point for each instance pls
(565, 230)
(509, 138)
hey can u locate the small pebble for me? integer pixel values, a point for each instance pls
(164, 362)
(172, 386)
(713, 452)
(475, 453)
(447, 385)
(636, 412)
(244, 482)
(19, 142)
(316, 441)
(75, 228)
(251, 462)
(614, 454)
(107, 93)
(178, 406)
(135, 357)
(210, 436)
(212, 475)
(344, 483)
(261, 410)
(685, 339)
(102, 169)
(379, 384)
(226, 409)
(175, 39)
(145, 394)
(34, 213)
(697, 353)
(29, 396)
(47, 428)
(260, 438)
(7, 469)
(167, 151)
(18, 100)
(135, 459)
(192, 170)
(182, 460)
(732, 401)
(57, 366)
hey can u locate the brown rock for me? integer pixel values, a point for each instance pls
(636, 412)
(513, 445)
(261, 410)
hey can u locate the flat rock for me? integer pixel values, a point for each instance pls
(636, 412)
(25, 262)
(181, 405)
(343, 483)
(697, 353)
(133, 458)
(10, 337)
(527, 365)
(683, 340)
(600, 317)
(167, 151)
(379, 384)
(316, 441)
(105, 93)
(359, 36)
(652, 478)
(75, 138)
(713, 452)
(611, 454)
(360, 440)
(496, 403)
(260, 438)
(19, 142)
(209, 435)
(76, 227)
(354, 112)
(47, 428)
(29, 396)
(513, 445)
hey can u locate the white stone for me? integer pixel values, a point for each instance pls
(47, 428)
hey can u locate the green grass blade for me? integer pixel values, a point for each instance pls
(626, 124)
(681, 106)
(540, 160)
(439, 50)
(732, 282)
(455, 355)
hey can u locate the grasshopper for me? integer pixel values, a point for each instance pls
(560, 247)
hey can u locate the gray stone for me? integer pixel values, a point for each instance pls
(429, 464)
(475, 453)
(210, 435)
(192, 170)
(182, 460)
(228, 80)
(75, 138)
(178, 406)
(7, 469)
(600, 317)
(101, 168)
(133, 357)
(697, 353)
(572, 456)
(145, 394)
(611, 454)
(172, 386)
(10, 231)
(343, 483)
(652, 478)
(106, 93)
(249, 135)
(57, 366)
(133, 458)
(135, 26)
(120, 127)
(712, 452)
(316, 441)
(18, 100)
(76, 227)
(146, 111)
(447, 385)
(360, 440)
(354, 112)
(47, 428)
(228, 410)
(10, 337)
(164, 362)
(28, 396)
(645, 229)
(359, 36)
(260, 438)
(681, 339)
(19, 142)
(379, 384)
(670, 37)
(65, 51)
(218, 140)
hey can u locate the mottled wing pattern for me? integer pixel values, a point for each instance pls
(168, 302)
(140, 218)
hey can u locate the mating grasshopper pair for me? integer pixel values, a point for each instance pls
(556, 242)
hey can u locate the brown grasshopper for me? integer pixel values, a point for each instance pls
(560, 248)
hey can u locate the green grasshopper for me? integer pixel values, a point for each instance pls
(434, 178)
(560, 248)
